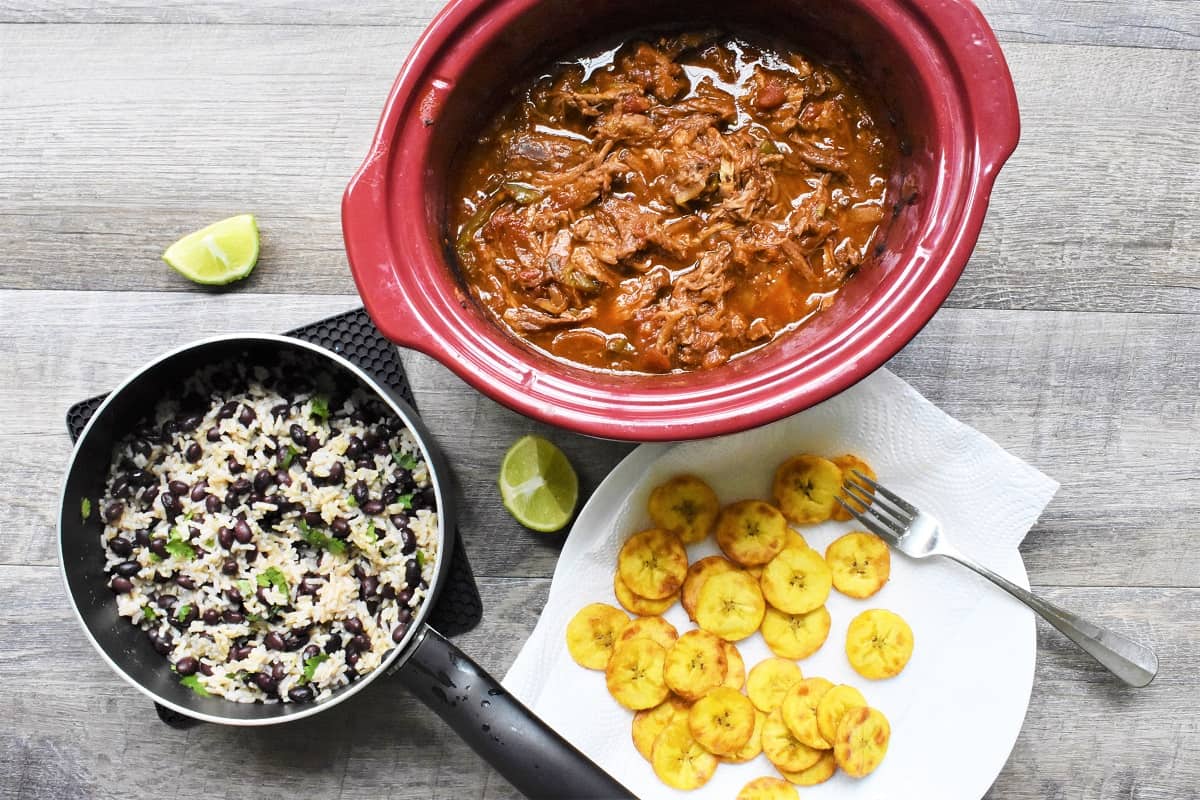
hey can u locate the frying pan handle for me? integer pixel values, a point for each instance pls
(523, 749)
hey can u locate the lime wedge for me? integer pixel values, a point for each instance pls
(224, 252)
(538, 485)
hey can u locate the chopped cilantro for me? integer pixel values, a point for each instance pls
(179, 548)
(291, 453)
(350, 501)
(336, 546)
(310, 666)
(404, 459)
(273, 577)
(320, 406)
(254, 617)
(182, 612)
(371, 534)
(187, 515)
(318, 539)
(149, 614)
(193, 683)
(405, 500)
(421, 559)
(85, 508)
(155, 558)
(245, 587)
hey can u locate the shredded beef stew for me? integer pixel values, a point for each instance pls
(670, 203)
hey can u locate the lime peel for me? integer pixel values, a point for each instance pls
(222, 253)
(538, 485)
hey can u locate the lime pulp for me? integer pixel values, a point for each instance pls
(538, 485)
(222, 253)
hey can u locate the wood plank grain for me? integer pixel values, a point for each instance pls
(70, 728)
(1105, 403)
(135, 134)
(1155, 23)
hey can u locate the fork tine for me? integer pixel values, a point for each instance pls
(872, 510)
(869, 523)
(879, 503)
(899, 501)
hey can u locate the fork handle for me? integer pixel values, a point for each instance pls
(1133, 663)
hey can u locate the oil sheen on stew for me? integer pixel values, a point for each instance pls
(671, 203)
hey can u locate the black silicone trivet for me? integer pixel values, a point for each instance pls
(354, 337)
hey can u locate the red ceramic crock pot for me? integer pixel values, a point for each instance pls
(937, 65)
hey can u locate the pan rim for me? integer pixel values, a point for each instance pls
(401, 651)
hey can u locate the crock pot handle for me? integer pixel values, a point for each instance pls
(990, 92)
(524, 750)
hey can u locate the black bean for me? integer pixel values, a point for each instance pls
(178, 488)
(273, 641)
(242, 532)
(212, 504)
(412, 572)
(301, 694)
(166, 601)
(234, 466)
(225, 537)
(213, 435)
(337, 473)
(120, 546)
(353, 625)
(261, 594)
(127, 569)
(403, 481)
(240, 652)
(308, 586)
(279, 410)
(168, 430)
(187, 666)
(371, 439)
(211, 616)
(311, 651)
(313, 444)
(282, 478)
(366, 462)
(199, 491)
(351, 657)
(170, 504)
(205, 669)
(230, 567)
(313, 519)
(404, 615)
(160, 578)
(142, 448)
(426, 498)
(359, 492)
(121, 585)
(227, 410)
(368, 587)
(141, 539)
(233, 617)
(158, 546)
(233, 594)
(333, 644)
(340, 528)
(262, 480)
(294, 641)
(388, 592)
(373, 605)
(266, 682)
(113, 511)
(188, 618)
(185, 581)
(399, 631)
(408, 542)
(389, 494)
(298, 434)
(255, 498)
(373, 507)
(404, 597)
(162, 643)
(247, 416)
(355, 448)
(360, 643)
(381, 449)
(120, 487)
(251, 555)
(193, 452)
(148, 494)
(240, 486)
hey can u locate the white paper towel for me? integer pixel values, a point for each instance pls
(958, 706)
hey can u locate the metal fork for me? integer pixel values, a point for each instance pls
(918, 535)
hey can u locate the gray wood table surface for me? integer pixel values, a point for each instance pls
(1073, 340)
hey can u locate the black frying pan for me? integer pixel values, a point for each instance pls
(522, 748)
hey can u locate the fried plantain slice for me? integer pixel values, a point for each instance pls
(695, 664)
(834, 705)
(650, 722)
(636, 604)
(680, 761)
(847, 464)
(686, 506)
(805, 487)
(860, 563)
(730, 605)
(653, 563)
(593, 632)
(819, 772)
(782, 747)
(735, 668)
(753, 746)
(722, 721)
(768, 789)
(878, 644)
(696, 575)
(795, 635)
(799, 711)
(634, 674)
(797, 581)
(862, 741)
(751, 532)
(769, 681)
(656, 629)
(794, 539)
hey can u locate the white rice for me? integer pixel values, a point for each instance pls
(373, 546)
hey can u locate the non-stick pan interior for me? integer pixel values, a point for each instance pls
(126, 647)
